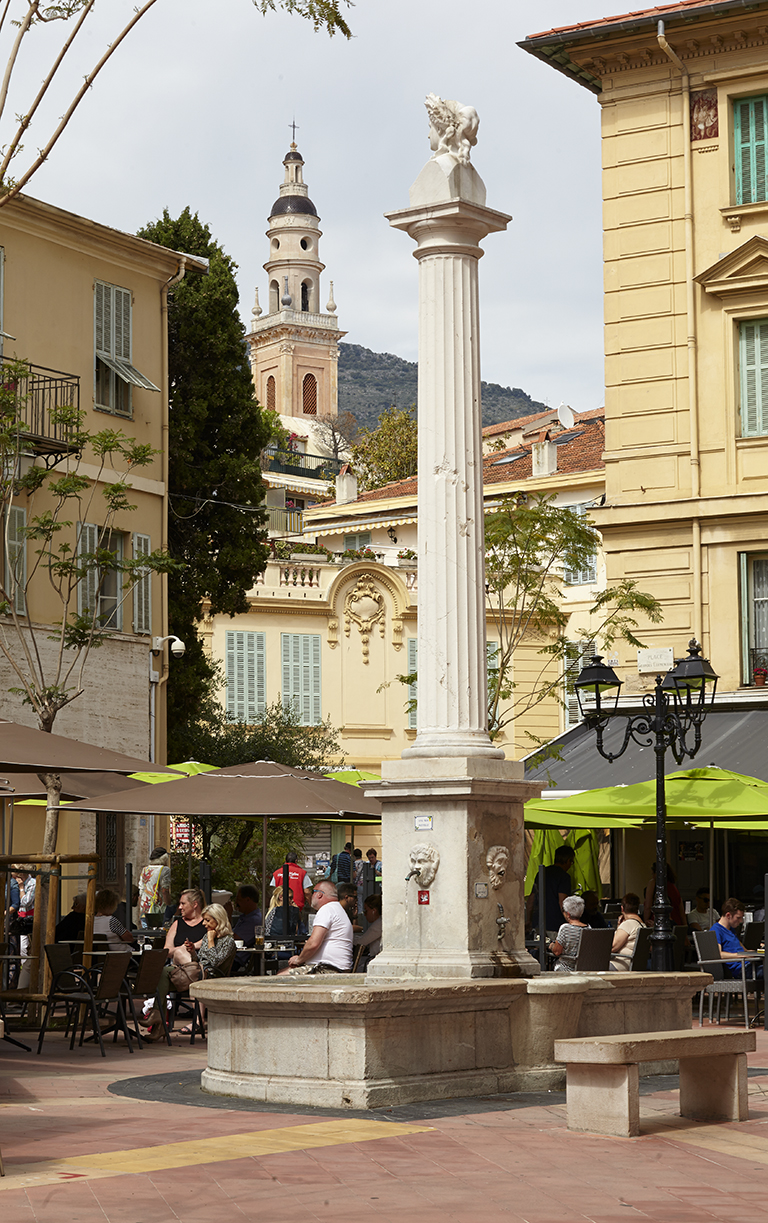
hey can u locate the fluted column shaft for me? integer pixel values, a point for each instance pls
(452, 686)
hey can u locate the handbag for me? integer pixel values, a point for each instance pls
(21, 925)
(181, 976)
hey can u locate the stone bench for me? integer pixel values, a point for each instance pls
(602, 1076)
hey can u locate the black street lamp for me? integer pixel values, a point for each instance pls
(675, 710)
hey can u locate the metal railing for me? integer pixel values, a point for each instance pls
(758, 662)
(38, 393)
(291, 522)
(293, 463)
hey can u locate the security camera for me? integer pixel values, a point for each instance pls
(177, 647)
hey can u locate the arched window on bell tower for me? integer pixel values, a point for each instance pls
(271, 397)
(309, 395)
(274, 297)
(305, 289)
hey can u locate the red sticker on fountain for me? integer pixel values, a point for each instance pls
(423, 898)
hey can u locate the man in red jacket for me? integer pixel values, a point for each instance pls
(299, 880)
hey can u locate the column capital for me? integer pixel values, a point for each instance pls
(448, 227)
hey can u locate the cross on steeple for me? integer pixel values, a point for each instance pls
(293, 127)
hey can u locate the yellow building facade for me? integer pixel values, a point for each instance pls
(331, 634)
(684, 112)
(84, 306)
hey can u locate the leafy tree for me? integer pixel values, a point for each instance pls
(234, 846)
(217, 433)
(388, 452)
(529, 543)
(27, 15)
(51, 551)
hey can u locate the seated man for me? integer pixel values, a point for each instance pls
(731, 947)
(369, 939)
(703, 915)
(244, 929)
(72, 925)
(348, 900)
(329, 947)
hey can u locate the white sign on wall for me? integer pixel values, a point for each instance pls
(658, 661)
(422, 823)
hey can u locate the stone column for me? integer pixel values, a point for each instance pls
(453, 806)
(452, 702)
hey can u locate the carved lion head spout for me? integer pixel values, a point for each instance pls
(425, 859)
(453, 128)
(497, 861)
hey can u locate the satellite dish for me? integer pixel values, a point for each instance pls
(565, 416)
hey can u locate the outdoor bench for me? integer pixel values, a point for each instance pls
(602, 1076)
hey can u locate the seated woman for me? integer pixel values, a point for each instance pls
(105, 922)
(623, 945)
(273, 923)
(188, 930)
(566, 946)
(217, 950)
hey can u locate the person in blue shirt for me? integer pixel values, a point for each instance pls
(731, 947)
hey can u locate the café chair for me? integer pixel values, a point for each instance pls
(76, 987)
(709, 960)
(144, 985)
(594, 950)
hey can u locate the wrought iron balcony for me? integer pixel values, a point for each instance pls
(38, 393)
(293, 463)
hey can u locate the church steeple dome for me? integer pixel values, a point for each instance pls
(294, 347)
(294, 235)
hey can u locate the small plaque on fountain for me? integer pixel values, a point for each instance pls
(481, 891)
(422, 823)
(423, 898)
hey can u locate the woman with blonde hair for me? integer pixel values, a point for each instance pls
(216, 952)
(273, 923)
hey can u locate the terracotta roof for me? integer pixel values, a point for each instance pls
(658, 11)
(523, 422)
(582, 453)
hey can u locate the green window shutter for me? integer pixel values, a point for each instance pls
(103, 317)
(16, 558)
(413, 689)
(88, 586)
(142, 588)
(360, 540)
(246, 675)
(753, 361)
(750, 129)
(301, 667)
(122, 347)
(577, 653)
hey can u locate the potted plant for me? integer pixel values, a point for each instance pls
(406, 558)
(758, 674)
(311, 554)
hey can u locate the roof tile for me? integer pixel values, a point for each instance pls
(633, 14)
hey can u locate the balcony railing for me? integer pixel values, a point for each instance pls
(38, 393)
(290, 522)
(292, 463)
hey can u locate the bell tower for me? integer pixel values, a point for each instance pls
(293, 349)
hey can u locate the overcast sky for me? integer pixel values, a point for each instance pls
(194, 110)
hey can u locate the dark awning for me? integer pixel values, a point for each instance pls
(735, 739)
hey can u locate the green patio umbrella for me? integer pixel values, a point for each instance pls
(585, 872)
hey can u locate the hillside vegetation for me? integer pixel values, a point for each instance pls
(370, 381)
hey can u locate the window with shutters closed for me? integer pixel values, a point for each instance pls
(300, 653)
(753, 370)
(309, 395)
(115, 374)
(587, 575)
(101, 586)
(750, 127)
(246, 675)
(16, 558)
(142, 588)
(271, 396)
(577, 653)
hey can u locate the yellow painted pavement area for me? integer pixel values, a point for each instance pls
(255, 1143)
(736, 1140)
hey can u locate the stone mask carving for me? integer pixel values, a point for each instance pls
(425, 859)
(497, 861)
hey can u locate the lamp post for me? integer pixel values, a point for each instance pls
(671, 714)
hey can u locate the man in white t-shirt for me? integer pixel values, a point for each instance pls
(329, 946)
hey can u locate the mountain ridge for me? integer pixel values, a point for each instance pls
(371, 381)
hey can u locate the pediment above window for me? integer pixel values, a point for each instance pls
(744, 270)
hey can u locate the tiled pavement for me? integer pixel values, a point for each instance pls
(75, 1152)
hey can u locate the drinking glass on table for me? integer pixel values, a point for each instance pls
(258, 933)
